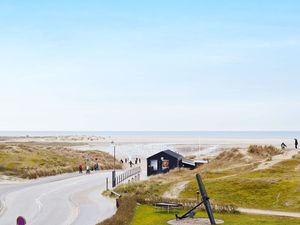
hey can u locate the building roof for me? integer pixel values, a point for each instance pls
(188, 162)
(170, 153)
(199, 161)
(174, 154)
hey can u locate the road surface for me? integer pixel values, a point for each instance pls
(60, 200)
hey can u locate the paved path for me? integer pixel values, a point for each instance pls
(269, 212)
(63, 199)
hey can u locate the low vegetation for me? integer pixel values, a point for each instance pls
(32, 160)
(124, 214)
(155, 187)
(264, 151)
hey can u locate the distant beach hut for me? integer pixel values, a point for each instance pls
(167, 160)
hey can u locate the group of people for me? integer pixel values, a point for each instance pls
(284, 146)
(89, 168)
(127, 160)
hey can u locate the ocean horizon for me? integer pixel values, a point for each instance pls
(197, 134)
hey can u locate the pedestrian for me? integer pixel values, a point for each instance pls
(80, 168)
(140, 160)
(130, 163)
(125, 160)
(296, 143)
(88, 170)
(122, 161)
(96, 166)
(283, 146)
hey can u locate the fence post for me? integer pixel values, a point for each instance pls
(113, 178)
(106, 183)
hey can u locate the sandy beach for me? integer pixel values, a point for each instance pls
(143, 146)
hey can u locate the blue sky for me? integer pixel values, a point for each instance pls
(149, 65)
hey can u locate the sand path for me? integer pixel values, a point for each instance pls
(269, 212)
(276, 159)
(175, 190)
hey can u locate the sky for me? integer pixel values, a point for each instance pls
(149, 65)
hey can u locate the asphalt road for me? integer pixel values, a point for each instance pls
(63, 199)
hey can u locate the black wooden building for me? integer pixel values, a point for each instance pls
(165, 161)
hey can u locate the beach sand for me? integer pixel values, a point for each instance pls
(144, 146)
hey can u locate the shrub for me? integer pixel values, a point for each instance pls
(264, 151)
(232, 154)
(124, 213)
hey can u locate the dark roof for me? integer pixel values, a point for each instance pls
(171, 153)
(174, 154)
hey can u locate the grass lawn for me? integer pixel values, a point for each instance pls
(147, 215)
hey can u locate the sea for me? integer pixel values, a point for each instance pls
(197, 134)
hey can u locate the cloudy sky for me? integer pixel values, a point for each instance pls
(149, 65)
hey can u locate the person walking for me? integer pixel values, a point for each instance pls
(88, 171)
(296, 143)
(80, 168)
(283, 146)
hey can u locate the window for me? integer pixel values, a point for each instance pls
(153, 164)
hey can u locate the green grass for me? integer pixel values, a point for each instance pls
(277, 188)
(147, 215)
(156, 186)
(144, 189)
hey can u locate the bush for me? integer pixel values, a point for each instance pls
(230, 155)
(264, 151)
(125, 212)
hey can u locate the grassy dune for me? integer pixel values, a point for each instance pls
(32, 160)
(276, 188)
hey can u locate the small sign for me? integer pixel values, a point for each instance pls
(165, 164)
(21, 221)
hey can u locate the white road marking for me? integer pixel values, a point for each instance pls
(2, 206)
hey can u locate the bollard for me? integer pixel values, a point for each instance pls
(198, 196)
(106, 183)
